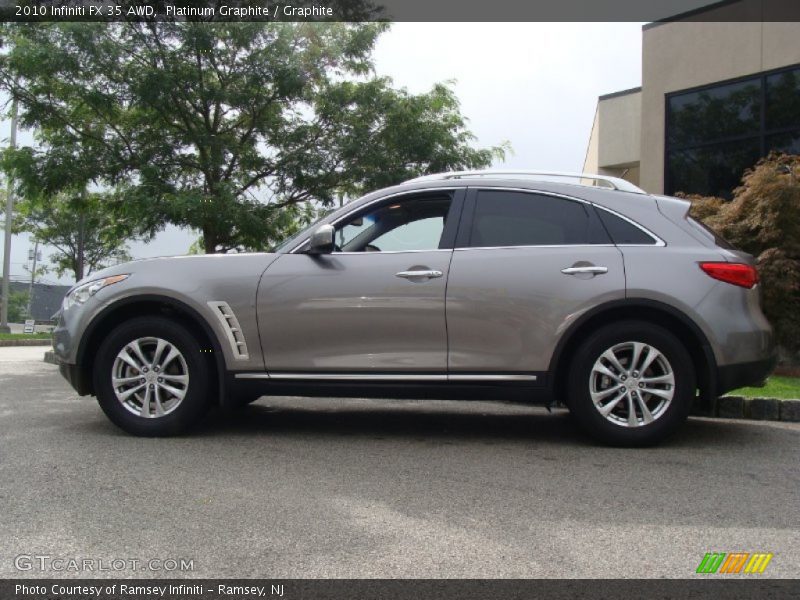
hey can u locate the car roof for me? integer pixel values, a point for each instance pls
(591, 179)
(590, 193)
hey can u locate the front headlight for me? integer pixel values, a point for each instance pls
(83, 292)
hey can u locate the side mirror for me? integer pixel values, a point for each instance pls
(321, 241)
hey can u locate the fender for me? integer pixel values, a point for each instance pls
(92, 328)
(708, 377)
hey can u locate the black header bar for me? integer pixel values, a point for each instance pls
(735, 587)
(653, 11)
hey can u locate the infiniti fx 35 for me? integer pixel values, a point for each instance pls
(487, 285)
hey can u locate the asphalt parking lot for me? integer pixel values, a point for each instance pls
(293, 487)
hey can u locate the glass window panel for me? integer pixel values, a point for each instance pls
(715, 113)
(784, 142)
(423, 234)
(400, 225)
(525, 219)
(711, 170)
(623, 232)
(783, 100)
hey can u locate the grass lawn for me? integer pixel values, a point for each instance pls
(777, 387)
(24, 336)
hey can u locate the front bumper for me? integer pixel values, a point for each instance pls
(749, 374)
(77, 378)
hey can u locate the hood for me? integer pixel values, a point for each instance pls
(186, 264)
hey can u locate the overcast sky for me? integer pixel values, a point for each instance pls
(534, 85)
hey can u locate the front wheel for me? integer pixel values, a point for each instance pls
(631, 384)
(151, 378)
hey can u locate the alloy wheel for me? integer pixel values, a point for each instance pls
(632, 384)
(150, 377)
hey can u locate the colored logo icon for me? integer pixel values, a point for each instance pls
(734, 562)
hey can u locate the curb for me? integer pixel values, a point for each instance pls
(42, 342)
(50, 357)
(755, 409)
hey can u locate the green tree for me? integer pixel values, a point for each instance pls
(763, 219)
(17, 305)
(230, 129)
(85, 230)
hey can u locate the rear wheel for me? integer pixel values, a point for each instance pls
(151, 378)
(631, 383)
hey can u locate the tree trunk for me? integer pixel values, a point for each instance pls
(80, 254)
(210, 237)
(209, 240)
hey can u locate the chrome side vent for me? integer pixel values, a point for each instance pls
(232, 329)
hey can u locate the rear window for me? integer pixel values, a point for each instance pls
(624, 232)
(711, 234)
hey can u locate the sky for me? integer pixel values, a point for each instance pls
(534, 85)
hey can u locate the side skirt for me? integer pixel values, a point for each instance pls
(431, 387)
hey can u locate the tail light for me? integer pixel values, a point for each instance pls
(739, 274)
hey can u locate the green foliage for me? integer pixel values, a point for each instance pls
(785, 388)
(17, 306)
(763, 219)
(25, 336)
(85, 229)
(391, 135)
(230, 129)
(196, 247)
(41, 271)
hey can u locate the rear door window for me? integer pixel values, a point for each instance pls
(511, 218)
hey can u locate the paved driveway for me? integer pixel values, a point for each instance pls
(295, 487)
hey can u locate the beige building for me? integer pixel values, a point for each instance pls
(716, 95)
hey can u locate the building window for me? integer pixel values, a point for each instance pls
(714, 133)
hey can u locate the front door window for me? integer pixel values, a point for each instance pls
(414, 224)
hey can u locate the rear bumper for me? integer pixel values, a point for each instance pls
(731, 377)
(76, 377)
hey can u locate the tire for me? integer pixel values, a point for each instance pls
(178, 381)
(665, 389)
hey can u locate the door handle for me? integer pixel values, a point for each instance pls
(427, 274)
(587, 269)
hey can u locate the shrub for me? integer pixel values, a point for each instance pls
(17, 306)
(763, 219)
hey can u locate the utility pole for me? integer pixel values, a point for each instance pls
(33, 278)
(6, 290)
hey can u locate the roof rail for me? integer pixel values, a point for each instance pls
(615, 183)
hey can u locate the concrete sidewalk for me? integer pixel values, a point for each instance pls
(22, 353)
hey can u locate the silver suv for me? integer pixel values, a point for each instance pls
(488, 285)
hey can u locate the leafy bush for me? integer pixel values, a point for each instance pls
(17, 306)
(763, 219)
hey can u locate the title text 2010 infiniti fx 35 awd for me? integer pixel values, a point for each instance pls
(489, 285)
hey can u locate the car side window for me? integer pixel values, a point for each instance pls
(510, 218)
(623, 232)
(408, 224)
